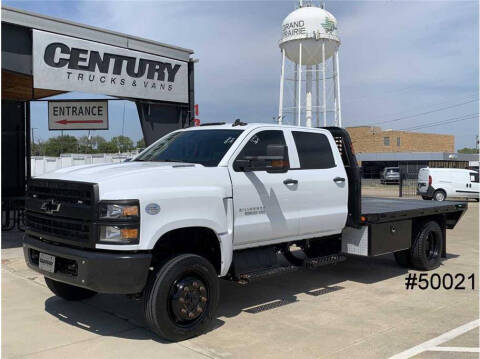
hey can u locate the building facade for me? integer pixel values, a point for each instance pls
(368, 139)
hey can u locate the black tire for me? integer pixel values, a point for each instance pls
(426, 198)
(168, 286)
(427, 247)
(67, 291)
(439, 195)
(403, 258)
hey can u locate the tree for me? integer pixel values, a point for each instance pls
(141, 143)
(123, 143)
(37, 149)
(84, 145)
(468, 150)
(107, 147)
(96, 141)
(61, 144)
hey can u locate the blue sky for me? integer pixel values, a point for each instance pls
(398, 59)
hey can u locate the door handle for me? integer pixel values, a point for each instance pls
(338, 179)
(290, 181)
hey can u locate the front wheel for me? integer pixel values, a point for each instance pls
(67, 291)
(182, 297)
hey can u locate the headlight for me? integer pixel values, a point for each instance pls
(119, 234)
(124, 211)
(119, 222)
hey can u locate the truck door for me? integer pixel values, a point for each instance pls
(264, 205)
(322, 193)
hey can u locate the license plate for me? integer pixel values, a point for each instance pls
(46, 262)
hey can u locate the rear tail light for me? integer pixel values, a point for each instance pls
(429, 180)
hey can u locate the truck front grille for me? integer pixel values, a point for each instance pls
(60, 228)
(78, 193)
(62, 211)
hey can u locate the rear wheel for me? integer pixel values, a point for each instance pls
(439, 195)
(427, 247)
(67, 291)
(182, 297)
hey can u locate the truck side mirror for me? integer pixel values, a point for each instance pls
(278, 158)
(275, 161)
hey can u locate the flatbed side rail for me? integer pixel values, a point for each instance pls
(344, 144)
(451, 212)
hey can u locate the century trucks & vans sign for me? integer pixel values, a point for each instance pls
(78, 115)
(69, 64)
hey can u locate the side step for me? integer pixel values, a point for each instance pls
(311, 263)
(249, 277)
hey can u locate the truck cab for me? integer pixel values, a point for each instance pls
(210, 202)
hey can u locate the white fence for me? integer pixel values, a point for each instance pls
(44, 164)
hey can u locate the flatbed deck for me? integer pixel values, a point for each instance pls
(377, 210)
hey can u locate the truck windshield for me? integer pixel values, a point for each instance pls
(206, 147)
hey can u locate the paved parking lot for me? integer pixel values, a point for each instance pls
(356, 309)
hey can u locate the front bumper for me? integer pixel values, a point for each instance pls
(103, 272)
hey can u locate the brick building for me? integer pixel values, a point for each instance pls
(410, 151)
(368, 139)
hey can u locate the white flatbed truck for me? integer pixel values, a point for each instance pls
(218, 201)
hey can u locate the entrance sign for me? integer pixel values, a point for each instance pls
(70, 64)
(78, 115)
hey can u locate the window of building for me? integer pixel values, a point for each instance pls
(386, 141)
(398, 141)
(314, 150)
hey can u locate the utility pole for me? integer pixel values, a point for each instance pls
(123, 121)
(33, 139)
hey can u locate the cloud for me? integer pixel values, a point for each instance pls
(396, 57)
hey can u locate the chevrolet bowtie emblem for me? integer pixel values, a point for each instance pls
(50, 206)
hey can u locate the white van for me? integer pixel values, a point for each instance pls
(442, 183)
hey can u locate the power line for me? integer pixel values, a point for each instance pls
(424, 113)
(444, 122)
(440, 121)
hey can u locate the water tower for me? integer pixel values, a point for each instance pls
(310, 66)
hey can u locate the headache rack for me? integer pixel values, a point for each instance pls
(345, 147)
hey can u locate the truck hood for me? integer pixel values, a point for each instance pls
(103, 172)
(137, 180)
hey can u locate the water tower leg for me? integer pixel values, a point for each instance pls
(308, 98)
(280, 100)
(317, 94)
(299, 84)
(335, 90)
(295, 86)
(339, 103)
(324, 107)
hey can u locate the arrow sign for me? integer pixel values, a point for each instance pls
(78, 115)
(66, 122)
